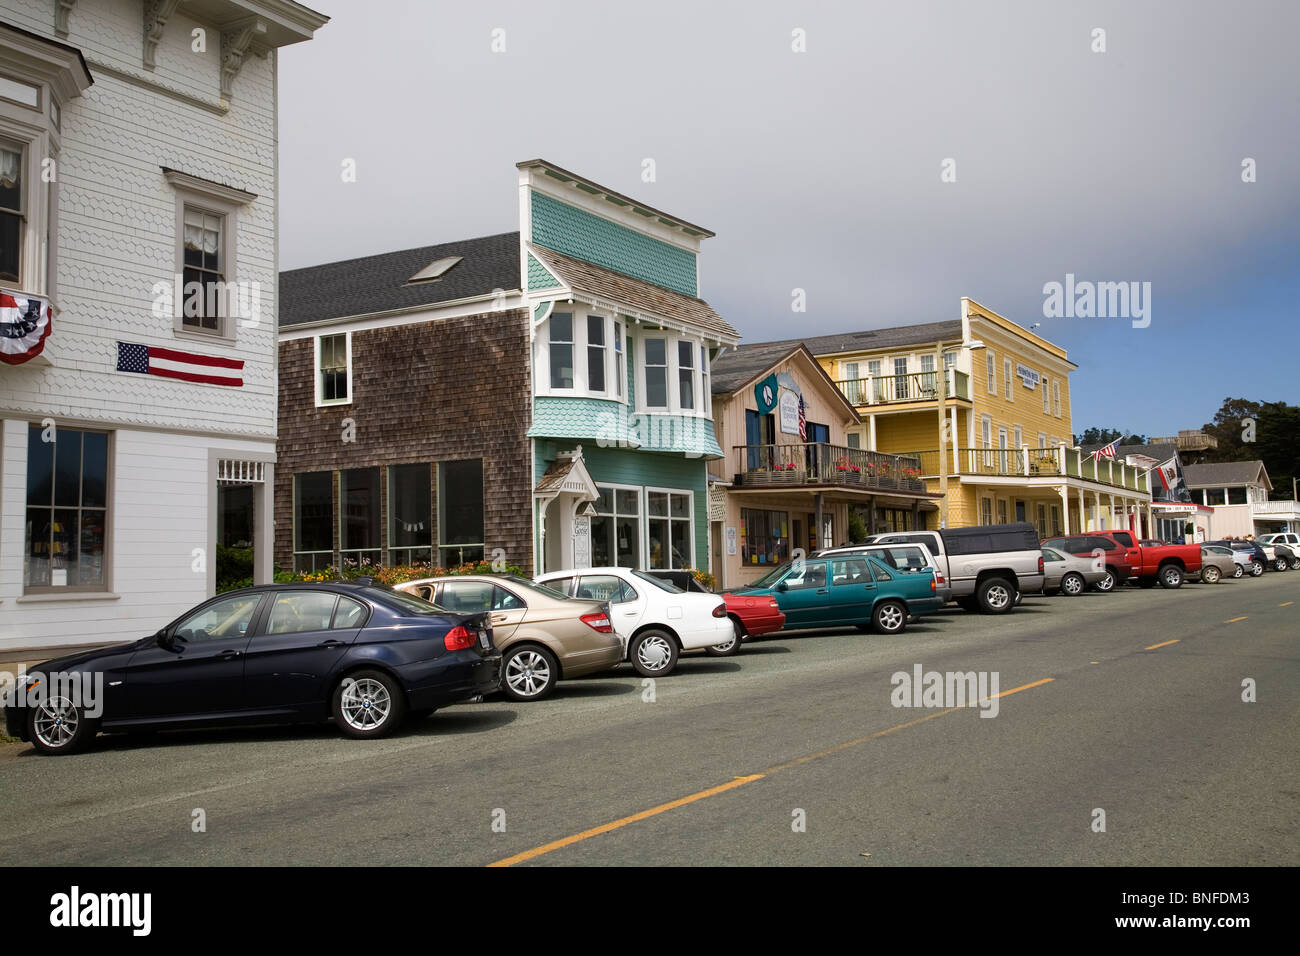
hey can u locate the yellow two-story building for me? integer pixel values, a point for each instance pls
(993, 432)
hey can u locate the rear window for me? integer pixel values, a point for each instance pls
(406, 603)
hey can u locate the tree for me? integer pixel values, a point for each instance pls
(1104, 436)
(1248, 430)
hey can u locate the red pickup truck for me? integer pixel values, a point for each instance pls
(1153, 562)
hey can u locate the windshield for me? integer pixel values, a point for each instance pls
(659, 582)
(767, 580)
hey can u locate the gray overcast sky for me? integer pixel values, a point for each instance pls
(821, 170)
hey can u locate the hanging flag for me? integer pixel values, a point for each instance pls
(25, 323)
(172, 363)
(1169, 474)
(1107, 452)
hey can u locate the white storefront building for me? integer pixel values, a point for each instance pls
(137, 159)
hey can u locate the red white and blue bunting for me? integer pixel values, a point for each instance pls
(25, 323)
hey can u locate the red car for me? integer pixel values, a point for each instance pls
(1157, 562)
(754, 615)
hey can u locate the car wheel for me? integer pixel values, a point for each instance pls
(1073, 584)
(528, 672)
(1281, 564)
(996, 596)
(653, 653)
(1256, 568)
(1295, 564)
(58, 726)
(368, 704)
(728, 648)
(1210, 574)
(1171, 576)
(1238, 570)
(889, 617)
(1107, 583)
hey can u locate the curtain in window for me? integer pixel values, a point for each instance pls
(11, 168)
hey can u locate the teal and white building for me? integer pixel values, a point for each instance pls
(622, 344)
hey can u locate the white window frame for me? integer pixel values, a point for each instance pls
(1008, 392)
(991, 372)
(1042, 440)
(1056, 398)
(694, 408)
(1047, 398)
(618, 346)
(986, 431)
(702, 409)
(706, 375)
(321, 402)
(646, 519)
(643, 545)
(1018, 436)
(605, 348)
(38, 243)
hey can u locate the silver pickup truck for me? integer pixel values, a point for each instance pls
(988, 566)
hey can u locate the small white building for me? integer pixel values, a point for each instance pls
(137, 425)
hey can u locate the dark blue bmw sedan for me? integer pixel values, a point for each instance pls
(355, 652)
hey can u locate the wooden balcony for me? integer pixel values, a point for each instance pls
(1030, 462)
(900, 389)
(818, 463)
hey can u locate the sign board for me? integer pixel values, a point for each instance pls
(1027, 376)
(581, 542)
(731, 541)
(765, 394)
(789, 412)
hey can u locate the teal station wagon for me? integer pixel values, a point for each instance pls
(857, 590)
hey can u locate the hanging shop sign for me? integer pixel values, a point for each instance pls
(765, 394)
(25, 323)
(1028, 376)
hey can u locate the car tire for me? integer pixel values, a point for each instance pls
(1107, 584)
(1171, 576)
(1295, 564)
(368, 704)
(57, 726)
(1210, 574)
(653, 653)
(528, 672)
(1238, 570)
(1281, 564)
(996, 595)
(1256, 568)
(889, 617)
(1073, 584)
(730, 648)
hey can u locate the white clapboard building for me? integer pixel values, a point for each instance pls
(137, 306)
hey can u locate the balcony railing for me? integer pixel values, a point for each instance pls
(1275, 507)
(1035, 462)
(911, 387)
(818, 463)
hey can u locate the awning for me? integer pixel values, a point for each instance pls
(567, 475)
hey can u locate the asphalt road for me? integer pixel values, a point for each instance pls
(732, 755)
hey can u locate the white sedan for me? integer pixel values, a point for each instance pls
(656, 620)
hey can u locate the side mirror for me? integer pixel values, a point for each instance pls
(781, 586)
(163, 640)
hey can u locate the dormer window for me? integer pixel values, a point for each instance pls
(434, 270)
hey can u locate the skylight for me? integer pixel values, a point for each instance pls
(434, 270)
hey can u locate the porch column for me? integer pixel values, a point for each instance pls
(916, 514)
(1151, 527)
(264, 527)
(1114, 521)
(871, 432)
(1064, 492)
(820, 510)
(871, 515)
(1083, 514)
(953, 430)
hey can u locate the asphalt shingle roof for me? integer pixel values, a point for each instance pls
(378, 283)
(1222, 473)
(737, 366)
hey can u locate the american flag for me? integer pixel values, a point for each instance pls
(803, 423)
(1107, 452)
(25, 323)
(186, 366)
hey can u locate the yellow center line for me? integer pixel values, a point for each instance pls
(1165, 644)
(625, 821)
(1236, 619)
(736, 782)
(1286, 603)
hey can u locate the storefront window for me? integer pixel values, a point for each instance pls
(410, 514)
(460, 512)
(1237, 496)
(1214, 496)
(764, 536)
(313, 521)
(669, 529)
(359, 511)
(616, 529)
(67, 508)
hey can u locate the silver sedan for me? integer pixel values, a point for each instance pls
(1071, 574)
(1218, 562)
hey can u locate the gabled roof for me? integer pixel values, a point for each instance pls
(872, 339)
(377, 284)
(729, 374)
(1222, 474)
(633, 294)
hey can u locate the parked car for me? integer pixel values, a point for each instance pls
(656, 619)
(1254, 552)
(752, 616)
(1289, 538)
(684, 580)
(1158, 562)
(856, 590)
(357, 652)
(1218, 563)
(1071, 574)
(1114, 556)
(987, 566)
(1286, 556)
(544, 636)
(904, 558)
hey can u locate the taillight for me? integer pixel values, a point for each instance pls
(773, 605)
(933, 586)
(938, 576)
(720, 610)
(459, 638)
(1040, 564)
(598, 621)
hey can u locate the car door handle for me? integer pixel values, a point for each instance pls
(230, 655)
(330, 643)
(823, 591)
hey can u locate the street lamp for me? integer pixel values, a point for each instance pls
(943, 417)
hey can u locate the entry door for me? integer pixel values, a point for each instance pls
(1020, 511)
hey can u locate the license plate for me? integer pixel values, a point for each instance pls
(483, 639)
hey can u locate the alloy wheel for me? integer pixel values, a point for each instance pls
(528, 673)
(891, 618)
(1072, 584)
(365, 704)
(56, 722)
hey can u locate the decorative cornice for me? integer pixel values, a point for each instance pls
(61, 10)
(156, 15)
(236, 42)
(207, 187)
(40, 59)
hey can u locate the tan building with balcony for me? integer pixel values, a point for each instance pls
(788, 476)
(997, 420)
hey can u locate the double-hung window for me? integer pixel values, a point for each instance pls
(706, 396)
(204, 271)
(620, 361)
(561, 349)
(1008, 391)
(1056, 398)
(991, 372)
(656, 372)
(13, 218)
(686, 375)
(1047, 399)
(334, 369)
(595, 353)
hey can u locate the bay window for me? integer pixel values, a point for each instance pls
(12, 205)
(656, 373)
(686, 375)
(620, 361)
(595, 353)
(561, 349)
